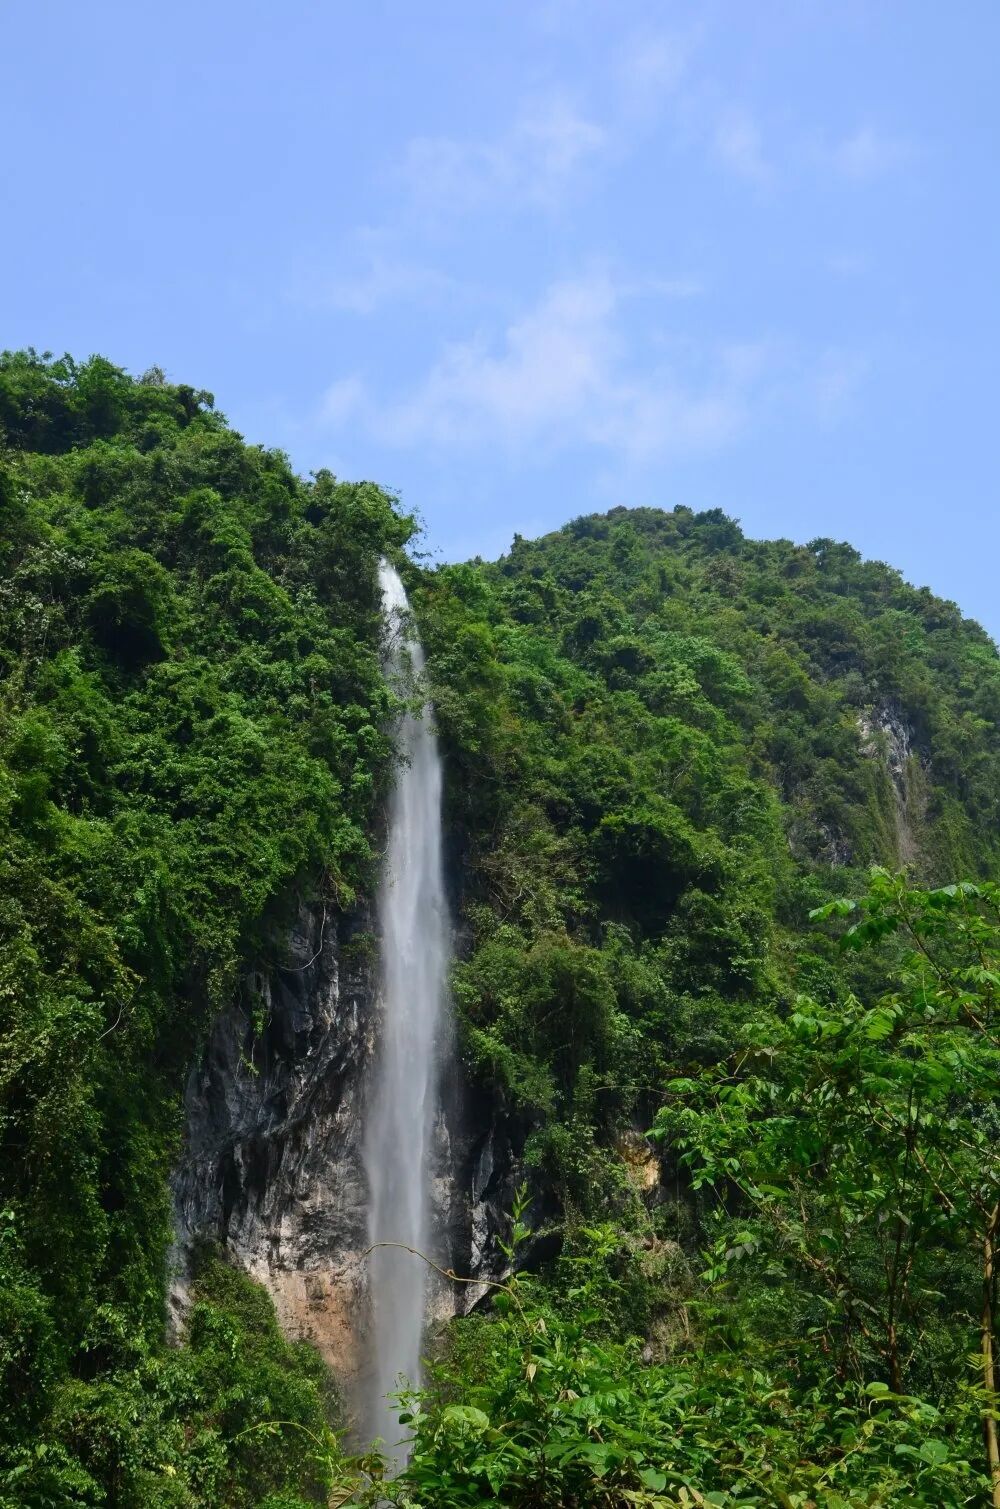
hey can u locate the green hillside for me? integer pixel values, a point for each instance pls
(665, 746)
(191, 734)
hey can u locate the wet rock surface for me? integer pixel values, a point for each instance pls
(271, 1167)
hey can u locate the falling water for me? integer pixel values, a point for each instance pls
(413, 922)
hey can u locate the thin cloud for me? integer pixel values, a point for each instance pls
(384, 280)
(740, 146)
(342, 400)
(867, 153)
(559, 378)
(551, 367)
(649, 69)
(535, 162)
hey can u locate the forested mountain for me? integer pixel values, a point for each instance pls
(667, 743)
(192, 719)
(665, 746)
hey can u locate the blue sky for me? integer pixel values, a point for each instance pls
(523, 261)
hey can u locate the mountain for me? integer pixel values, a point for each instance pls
(192, 723)
(665, 745)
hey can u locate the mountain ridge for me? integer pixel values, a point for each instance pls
(665, 746)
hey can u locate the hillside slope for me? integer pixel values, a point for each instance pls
(192, 737)
(665, 744)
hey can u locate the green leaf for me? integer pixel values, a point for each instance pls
(653, 1480)
(935, 1451)
(466, 1416)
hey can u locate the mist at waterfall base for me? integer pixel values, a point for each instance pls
(414, 936)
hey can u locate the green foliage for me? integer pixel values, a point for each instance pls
(536, 1408)
(853, 1152)
(235, 1415)
(664, 745)
(863, 1137)
(192, 720)
(839, 1348)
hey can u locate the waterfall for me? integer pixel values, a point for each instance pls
(414, 930)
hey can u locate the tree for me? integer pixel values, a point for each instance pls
(854, 1153)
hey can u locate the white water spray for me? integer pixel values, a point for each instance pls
(413, 923)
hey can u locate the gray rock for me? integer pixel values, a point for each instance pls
(886, 736)
(271, 1167)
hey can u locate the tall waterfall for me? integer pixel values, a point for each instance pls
(413, 923)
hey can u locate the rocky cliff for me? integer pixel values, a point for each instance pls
(272, 1170)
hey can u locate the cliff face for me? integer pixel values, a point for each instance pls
(272, 1168)
(886, 735)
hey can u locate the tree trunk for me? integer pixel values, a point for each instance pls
(989, 1367)
(895, 1371)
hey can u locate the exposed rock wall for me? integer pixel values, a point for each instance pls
(271, 1167)
(886, 736)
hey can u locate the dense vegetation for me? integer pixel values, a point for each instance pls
(668, 745)
(665, 745)
(192, 720)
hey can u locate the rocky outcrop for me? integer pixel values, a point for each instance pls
(272, 1169)
(886, 736)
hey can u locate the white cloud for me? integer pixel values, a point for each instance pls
(343, 400)
(535, 161)
(364, 272)
(739, 144)
(641, 423)
(867, 153)
(649, 69)
(383, 281)
(747, 363)
(552, 365)
(560, 378)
